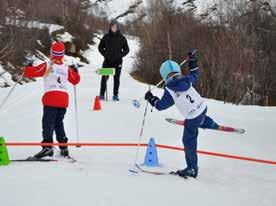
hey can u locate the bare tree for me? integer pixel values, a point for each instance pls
(237, 47)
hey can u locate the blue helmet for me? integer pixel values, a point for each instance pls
(169, 67)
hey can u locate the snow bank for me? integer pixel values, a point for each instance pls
(114, 8)
(5, 77)
(65, 37)
(34, 24)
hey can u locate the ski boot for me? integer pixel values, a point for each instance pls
(102, 97)
(116, 98)
(64, 152)
(45, 152)
(188, 172)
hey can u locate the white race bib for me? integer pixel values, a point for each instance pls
(56, 80)
(189, 103)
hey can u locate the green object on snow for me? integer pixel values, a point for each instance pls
(4, 156)
(106, 71)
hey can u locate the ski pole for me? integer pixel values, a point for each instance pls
(76, 115)
(184, 62)
(141, 133)
(11, 91)
(137, 103)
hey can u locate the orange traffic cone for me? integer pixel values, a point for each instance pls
(97, 104)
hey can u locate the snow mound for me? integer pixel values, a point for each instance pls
(5, 78)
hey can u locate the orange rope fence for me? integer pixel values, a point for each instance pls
(228, 156)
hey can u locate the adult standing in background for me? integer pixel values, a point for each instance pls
(113, 47)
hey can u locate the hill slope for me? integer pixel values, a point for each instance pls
(129, 8)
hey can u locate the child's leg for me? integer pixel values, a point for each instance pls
(59, 127)
(209, 123)
(48, 123)
(190, 143)
(190, 140)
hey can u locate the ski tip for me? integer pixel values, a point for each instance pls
(71, 159)
(133, 171)
(240, 131)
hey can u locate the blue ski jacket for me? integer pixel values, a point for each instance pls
(179, 84)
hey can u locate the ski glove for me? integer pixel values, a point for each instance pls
(193, 59)
(151, 99)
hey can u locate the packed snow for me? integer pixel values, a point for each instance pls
(101, 177)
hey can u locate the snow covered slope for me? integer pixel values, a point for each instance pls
(113, 8)
(101, 177)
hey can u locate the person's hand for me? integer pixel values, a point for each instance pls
(148, 95)
(193, 59)
(151, 99)
(192, 54)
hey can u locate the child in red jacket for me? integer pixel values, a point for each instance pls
(56, 75)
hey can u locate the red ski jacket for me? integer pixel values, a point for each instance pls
(56, 77)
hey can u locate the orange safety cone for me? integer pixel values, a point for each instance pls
(97, 104)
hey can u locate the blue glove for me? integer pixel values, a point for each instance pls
(151, 99)
(193, 59)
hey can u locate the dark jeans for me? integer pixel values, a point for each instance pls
(52, 121)
(118, 68)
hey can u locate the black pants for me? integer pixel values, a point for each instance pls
(53, 122)
(118, 68)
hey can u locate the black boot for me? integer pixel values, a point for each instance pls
(188, 172)
(64, 152)
(45, 152)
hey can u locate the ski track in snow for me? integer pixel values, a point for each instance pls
(101, 177)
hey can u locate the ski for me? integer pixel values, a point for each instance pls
(221, 128)
(70, 159)
(154, 172)
(34, 160)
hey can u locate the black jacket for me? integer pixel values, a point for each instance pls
(113, 47)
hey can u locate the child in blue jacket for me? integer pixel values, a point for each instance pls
(179, 91)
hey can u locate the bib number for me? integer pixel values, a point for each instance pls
(58, 80)
(190, 99)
